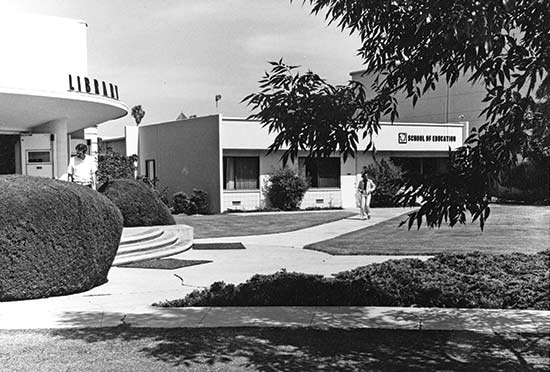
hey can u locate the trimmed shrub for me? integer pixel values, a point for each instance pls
(285, 189)
(181, 203)
(56, 237)
(138, 203)
(153, 184)
(197, 203)
(386, 176)
(475, 280)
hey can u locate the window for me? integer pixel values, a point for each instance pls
(321, 172)
(38, 156)
(241, 172)
(424, 166)
(150, 169)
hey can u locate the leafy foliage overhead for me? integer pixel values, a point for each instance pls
(408, 46)
(307, 113)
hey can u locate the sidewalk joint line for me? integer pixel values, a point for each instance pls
(204, 316)
(312, 316)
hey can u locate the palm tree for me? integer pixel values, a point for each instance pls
(138, 113)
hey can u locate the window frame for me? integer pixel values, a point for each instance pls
(147, 175)
(235, 159)
(314, 182)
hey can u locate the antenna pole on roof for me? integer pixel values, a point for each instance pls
(217, 98)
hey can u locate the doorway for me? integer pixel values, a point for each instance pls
(8, 144)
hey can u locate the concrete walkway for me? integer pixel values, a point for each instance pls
(299, 238)
(127, 297)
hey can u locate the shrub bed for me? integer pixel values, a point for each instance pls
(138, 203)
(386, 176)
(196, 204)
(475, 280)
(528, 182)
(56, 237)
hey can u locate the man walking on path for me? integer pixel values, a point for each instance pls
(365, 188)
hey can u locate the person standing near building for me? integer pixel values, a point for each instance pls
(82, 167)
(365, 188)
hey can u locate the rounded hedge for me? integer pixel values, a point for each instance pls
(138, 203)
(56, 237)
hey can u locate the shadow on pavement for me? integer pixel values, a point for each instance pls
(313, 349)
(434, 319)
(480, 320)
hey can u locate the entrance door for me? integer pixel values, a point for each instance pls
(8, 143)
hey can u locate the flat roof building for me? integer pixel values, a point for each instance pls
(227, 157)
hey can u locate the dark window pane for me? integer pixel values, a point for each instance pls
(321, 172)
(424, 166)
(150, 169)
(430, 166)
(408, 165)
(38, 156)
(241, 173)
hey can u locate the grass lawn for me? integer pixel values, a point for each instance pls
(269, 349)
(223, 225)
(510, 228)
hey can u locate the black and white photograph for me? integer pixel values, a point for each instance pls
(274, 185)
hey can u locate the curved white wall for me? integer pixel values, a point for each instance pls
(39, 52)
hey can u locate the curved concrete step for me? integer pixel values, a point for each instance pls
(165, 239)
(138, 234)
(165, 251)
(140, 244)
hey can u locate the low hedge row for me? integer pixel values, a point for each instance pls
(474, 280)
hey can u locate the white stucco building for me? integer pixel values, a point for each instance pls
(227, 158)
(48, 99)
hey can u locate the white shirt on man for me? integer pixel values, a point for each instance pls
(82, 170)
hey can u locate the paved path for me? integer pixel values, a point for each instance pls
(299, 238)
(128, 295)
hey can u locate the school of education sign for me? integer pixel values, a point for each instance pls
(419, 137)
(404, 138)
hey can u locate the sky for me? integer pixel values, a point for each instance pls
(173, 56)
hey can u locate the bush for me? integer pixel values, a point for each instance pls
(56, 237)
(285, 189)
(138, 203)
(276, 289)
(113, 165)
(153, 184)
(197, 203)
(181, 203)
(528, 182)
(475, 280)
(386, 176)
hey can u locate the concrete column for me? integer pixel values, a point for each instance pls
(90, 133)
(61, 149)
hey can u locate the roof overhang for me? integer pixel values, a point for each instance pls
(23, 110)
